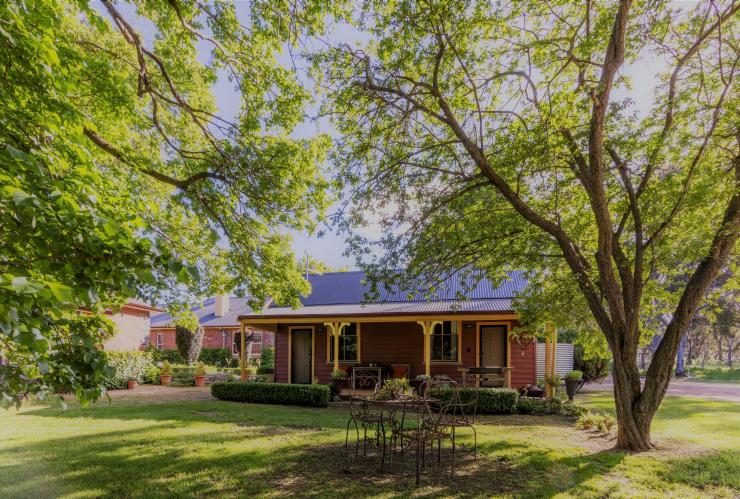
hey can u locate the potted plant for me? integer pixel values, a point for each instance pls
(572, 383)
(200, 375)
(396, 388)
(165, 374)
(337, 381)
(132, 382)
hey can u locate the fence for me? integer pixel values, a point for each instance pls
(563, 359)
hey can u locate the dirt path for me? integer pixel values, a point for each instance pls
(725, 392)
(158, 393)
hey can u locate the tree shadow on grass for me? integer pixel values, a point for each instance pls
(216, 411)
(269, 456)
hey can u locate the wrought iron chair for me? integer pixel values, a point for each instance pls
(430, 414)
(461, 414)
(366, 416)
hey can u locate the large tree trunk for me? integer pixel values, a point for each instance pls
(633, 431)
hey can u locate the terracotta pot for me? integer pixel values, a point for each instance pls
(165, 379)
(131, 384)
(200, 381)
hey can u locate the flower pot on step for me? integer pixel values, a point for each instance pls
(165, 379)
(131, 384)
(200, 381)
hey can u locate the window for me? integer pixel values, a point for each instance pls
(348, 341)
(160, 338)
(236, 342)
(256, 343)
(444, 341)
(224, 335)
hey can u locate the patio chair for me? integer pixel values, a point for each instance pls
(431, 414)
(364, 416)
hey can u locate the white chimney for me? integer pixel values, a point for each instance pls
(222, 305)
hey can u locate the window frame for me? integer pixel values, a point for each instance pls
(160, 341)
(457, 335)
(330, 345)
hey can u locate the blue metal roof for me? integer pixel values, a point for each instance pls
(345, 288)
(206, 314)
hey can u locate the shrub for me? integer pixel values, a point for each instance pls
(125, 366)
(265, 370)
(490, 400)
(267, 358)
(151, 375)
(215, 356)
(574, 375)
(339, 374)
(273, 393)
(603, 423)
(189, 342)
(166, 368)
(539, 407)
(200, 369)
(183, 375)
(161, 355)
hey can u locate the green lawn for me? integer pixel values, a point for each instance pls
(230, 449)
(720, 373)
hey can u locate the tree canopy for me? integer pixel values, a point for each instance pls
(122, 177)
(487, 137)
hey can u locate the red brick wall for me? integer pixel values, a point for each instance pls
(213, 338)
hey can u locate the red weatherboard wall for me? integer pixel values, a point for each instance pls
(524, 364)
(388, 343)
(281, 354)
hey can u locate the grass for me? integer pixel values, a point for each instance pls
(719, 374)
(188, 448)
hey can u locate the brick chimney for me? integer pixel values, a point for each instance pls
(222, 305)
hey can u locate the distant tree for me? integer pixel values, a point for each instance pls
(314, 266)
(188, 336)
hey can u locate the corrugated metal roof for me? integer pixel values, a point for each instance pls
(396, 308)
(351, 287)
(207, 316)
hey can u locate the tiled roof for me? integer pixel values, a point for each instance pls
(346, 293)
(207, 316)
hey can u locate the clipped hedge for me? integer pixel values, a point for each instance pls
(539, 407)
(490, 400)
(273, 393)
(125, 365)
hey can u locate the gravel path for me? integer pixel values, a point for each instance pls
(727, 392)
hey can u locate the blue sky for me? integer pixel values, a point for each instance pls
(330, 247)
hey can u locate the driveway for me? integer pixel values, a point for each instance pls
(727, 392)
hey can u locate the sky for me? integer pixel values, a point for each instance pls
(330, 247)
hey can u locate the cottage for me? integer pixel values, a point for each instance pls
(397, 335)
